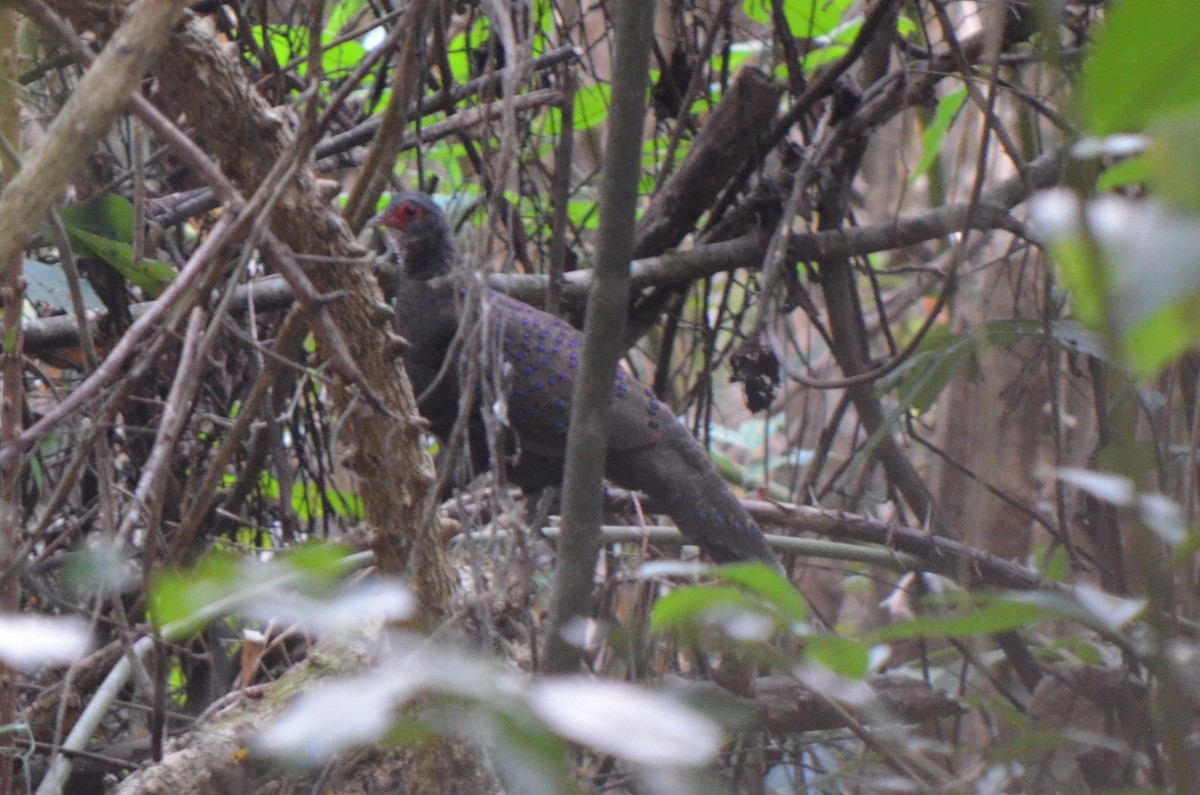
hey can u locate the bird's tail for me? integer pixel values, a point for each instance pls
(677, 473)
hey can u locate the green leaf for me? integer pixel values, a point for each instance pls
(805, 18)
(285, 43)
(828, 49)
(462, 46)
(324, 561)
(844, 656)
(996, 615)
(1055, 563)
(151, 275)
(688, 607)
(771, 586)
(591, 105)
(583, 214)
(1155, 341)
(1143, 65)
(182, 600)
(940, 357)
(931, 139)
(531, 757)
(109, 216)
(1173, 160)
(738, 53)
(342, 14)
(590, 108)
(1086, 274)
(177, 597)
(339, 60)
(1132, 171)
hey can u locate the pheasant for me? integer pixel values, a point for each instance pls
(648, 450)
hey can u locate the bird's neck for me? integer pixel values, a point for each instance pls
(431, 262)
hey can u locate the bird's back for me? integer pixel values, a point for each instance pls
(537, 357)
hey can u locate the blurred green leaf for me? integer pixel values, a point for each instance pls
(583, 214)
(323, 561)
(969, 618)
(1173, 159)
(940, 357)
(178, 597)
(531, 757)
(109, 216)
(150, 275)
(284, 42)
(1159, 339)
(769, 585)
(1142, 66)
(805, 18)
(339, 60)
(737, 53)
(934, 134)
(341, 14)
(590, 109)
(844, 656)
(181, 600)
(687, 607)
(829, 48)
(1132, 171)
(1053, 562)
(462, 47)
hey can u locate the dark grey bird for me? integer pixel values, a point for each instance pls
(648, 450)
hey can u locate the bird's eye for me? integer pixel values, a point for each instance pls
(411, 212)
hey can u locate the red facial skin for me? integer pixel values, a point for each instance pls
(403, 214)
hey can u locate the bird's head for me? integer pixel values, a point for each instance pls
(422, 235)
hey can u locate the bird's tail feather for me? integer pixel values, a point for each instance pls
(677, 473)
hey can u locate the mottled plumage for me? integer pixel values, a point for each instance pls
(647, 449)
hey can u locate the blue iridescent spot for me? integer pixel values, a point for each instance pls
(525, 321)
(545, 361)
(560, 425)
(556, 322)
(737, 524)
(717, 517)
(541, 334)
(622, 390)
(518, 393)
(541, 348)
(538, 386)
(529, 370)
(519, 355)
(532, 410)
(556, 348)
(649, 394)
(573, 344)
(560, 403)
(702, 514)
(654, 406)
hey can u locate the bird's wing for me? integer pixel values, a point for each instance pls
(542, 354)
